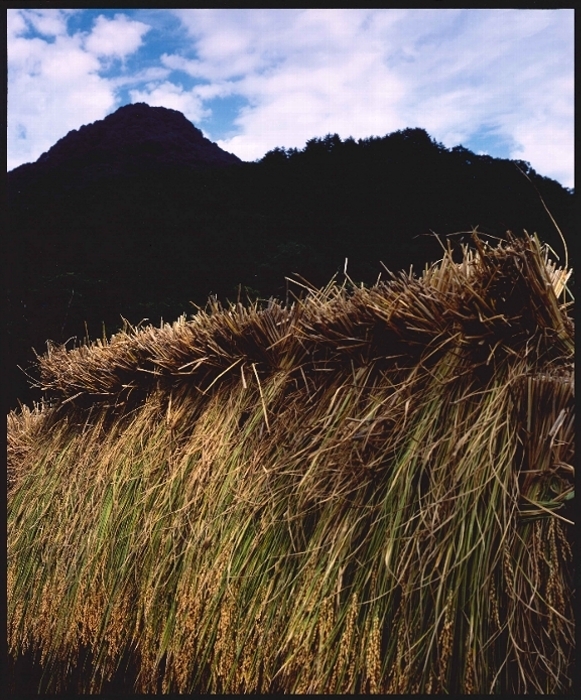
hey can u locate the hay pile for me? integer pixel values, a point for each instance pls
(366, 491)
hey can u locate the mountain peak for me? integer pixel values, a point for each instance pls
(133, 137)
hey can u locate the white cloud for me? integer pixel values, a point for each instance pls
(46, 22)
(192, 67)
(172, 96)
(115, 37)
(210, 91)
(15, 23)
(151, 75)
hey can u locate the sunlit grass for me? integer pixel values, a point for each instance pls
(360, 493)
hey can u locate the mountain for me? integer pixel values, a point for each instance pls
(134, 137)
(138, 215)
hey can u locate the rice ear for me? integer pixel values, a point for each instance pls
(365, 491)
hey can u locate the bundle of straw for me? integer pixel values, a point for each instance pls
(365, 491)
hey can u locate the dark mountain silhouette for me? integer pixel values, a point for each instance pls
(138, 215)
(134, 137)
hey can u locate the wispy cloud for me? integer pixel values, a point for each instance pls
(301, 73)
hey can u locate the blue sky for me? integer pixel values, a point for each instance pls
(496, 81)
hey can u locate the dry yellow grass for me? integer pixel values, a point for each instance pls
(363, 492)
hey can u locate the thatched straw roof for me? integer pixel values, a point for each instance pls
(365, 491)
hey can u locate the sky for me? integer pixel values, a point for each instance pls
(499, 82)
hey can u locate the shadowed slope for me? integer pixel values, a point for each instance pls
(134, 136)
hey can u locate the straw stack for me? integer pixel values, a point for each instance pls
(366, 491)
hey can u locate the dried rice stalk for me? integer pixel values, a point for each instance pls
(366, 491)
